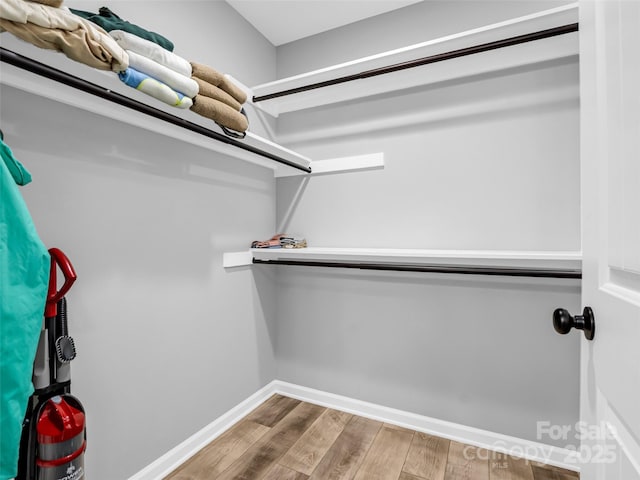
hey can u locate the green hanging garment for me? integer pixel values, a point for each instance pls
(24, 278)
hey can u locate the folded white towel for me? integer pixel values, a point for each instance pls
(175, 80)
(153, 51)
(154, 88)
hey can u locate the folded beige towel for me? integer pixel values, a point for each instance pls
(217, 79)
(217, 93)
(78, 45)
(51, 3)
(67, 33)
(219, 112)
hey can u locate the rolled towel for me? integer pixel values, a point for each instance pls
(79, 45)
(51, 3)
(175, 80)
(67, 33)
(154, 88)
(212, 91)
(214, 77)
(21, 11)
(151, 50)
(219, 112)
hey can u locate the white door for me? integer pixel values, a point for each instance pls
(610, 152)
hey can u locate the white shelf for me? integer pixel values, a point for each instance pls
(15, 77)
(567, 260)
(553, 48)
(492, 258)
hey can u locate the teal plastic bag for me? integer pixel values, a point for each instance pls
(24, 278)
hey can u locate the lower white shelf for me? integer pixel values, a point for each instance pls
(560, 264)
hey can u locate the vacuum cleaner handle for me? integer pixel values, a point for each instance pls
(58, 259)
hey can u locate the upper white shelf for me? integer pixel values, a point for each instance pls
(19, 78)
(530, 52)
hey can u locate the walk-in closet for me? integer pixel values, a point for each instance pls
(416, 223)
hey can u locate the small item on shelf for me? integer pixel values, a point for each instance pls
(281, 240)
(110, 21)
(292, 242)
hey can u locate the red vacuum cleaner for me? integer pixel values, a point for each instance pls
(54, 434)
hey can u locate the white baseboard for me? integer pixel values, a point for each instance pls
(534, 451)
(492, 441)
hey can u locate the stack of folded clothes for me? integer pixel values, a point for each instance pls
(280, 240)
(48, 24)
(219, 98)
(153, 67)
(156, 71)
(143, 59)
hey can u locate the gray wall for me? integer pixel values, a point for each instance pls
(485, 162)
(406, 26)
(475, 351)
(167, 340)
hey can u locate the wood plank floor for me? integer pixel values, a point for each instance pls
(286, 439)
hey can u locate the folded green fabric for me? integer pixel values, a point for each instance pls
(110, 21)
(24, 278)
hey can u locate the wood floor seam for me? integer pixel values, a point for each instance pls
(405, 458)
(367, 449)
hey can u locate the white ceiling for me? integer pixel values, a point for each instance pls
(283, 21)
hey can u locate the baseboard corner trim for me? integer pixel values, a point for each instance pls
(175, 457)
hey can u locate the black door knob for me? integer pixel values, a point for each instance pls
(563, 322)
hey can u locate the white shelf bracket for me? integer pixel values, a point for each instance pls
(370, 161)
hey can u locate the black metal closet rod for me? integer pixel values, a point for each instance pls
(435, 268)
(462, 52)
(52, 73)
